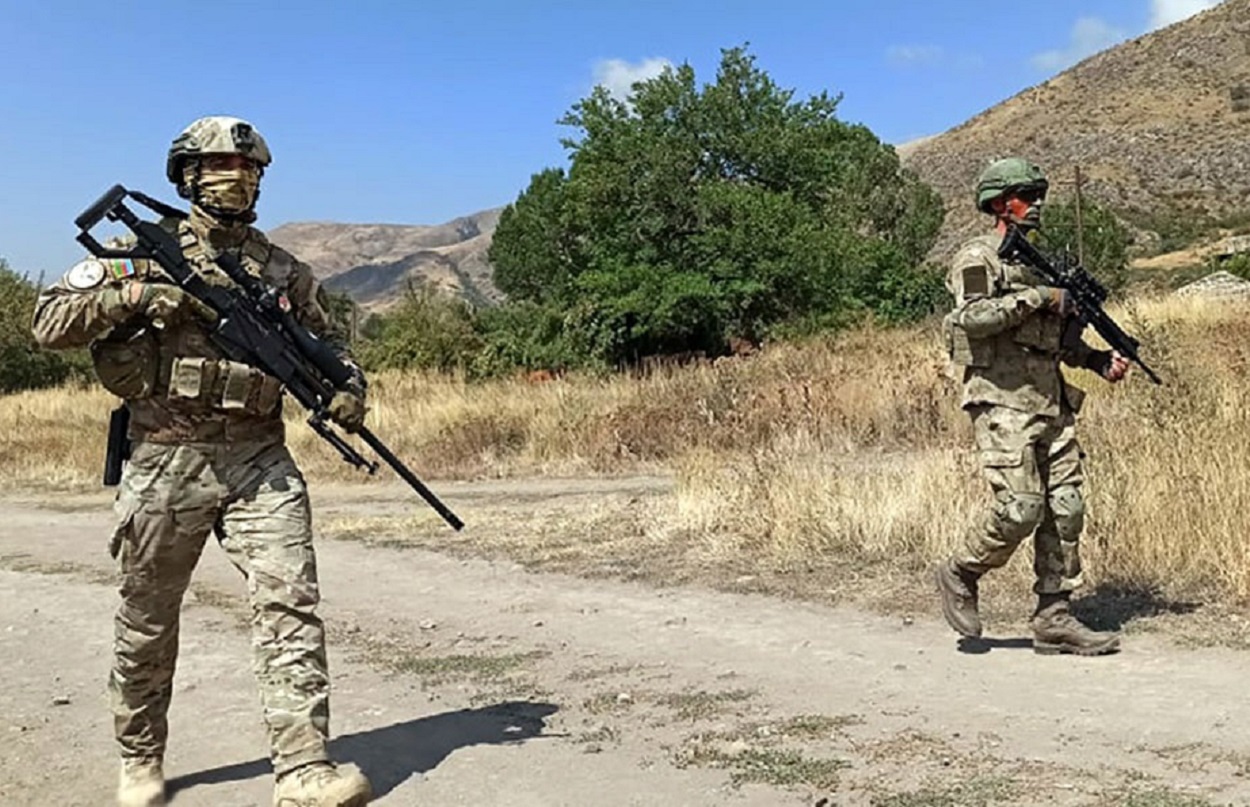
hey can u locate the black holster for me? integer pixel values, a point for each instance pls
(118, 449)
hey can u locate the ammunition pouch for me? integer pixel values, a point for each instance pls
(964, 350)
(223, 385)
(1041, 331)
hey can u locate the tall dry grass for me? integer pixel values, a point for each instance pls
(579, 425)
(1168, 487)
(850, 451)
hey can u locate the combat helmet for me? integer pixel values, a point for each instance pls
(216, 134)
(1009, 174)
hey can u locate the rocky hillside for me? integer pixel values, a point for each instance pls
(1159, 124)
(374, 263)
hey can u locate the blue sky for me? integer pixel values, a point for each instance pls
(407, 112)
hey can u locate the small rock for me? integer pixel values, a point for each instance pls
(538, 623)
(61, 700)
(908, 620)
(592, 748)
(427, 624)
(624, 697)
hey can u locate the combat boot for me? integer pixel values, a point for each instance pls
(1055, 631)
(958, 588)
(142, 783)
(321, 784)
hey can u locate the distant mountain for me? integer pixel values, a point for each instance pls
(373, 263)
(1159, 124)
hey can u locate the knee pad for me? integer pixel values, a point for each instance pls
(1018, 514)
(1067, 507)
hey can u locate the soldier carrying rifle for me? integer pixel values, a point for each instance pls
(1016, 318)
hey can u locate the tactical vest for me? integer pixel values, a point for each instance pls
(177, 384)
(1017, 367)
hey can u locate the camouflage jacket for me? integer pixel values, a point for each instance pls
(1005, 336)
(177, 385)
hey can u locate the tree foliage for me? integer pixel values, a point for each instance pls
(1104, 239)
(689, 215)
(22, 364)
(426, 330)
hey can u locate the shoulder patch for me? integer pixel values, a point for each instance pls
(976, 281)
(85, 275)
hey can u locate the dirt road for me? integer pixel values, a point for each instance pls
(475, 682)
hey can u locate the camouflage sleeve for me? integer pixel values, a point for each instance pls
(983, 306)
(83, 305)
(311, 306)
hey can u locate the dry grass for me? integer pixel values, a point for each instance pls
(850, 453)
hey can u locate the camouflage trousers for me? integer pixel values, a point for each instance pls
(252, 496)
(1033, 465)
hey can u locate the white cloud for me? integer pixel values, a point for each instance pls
(1089, 35)
(619, 76)
(908, 55)
(1166, 12)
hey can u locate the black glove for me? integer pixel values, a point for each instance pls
(1099, 361)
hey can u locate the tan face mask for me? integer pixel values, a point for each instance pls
(232, 190)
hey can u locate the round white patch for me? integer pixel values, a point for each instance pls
(85, 275)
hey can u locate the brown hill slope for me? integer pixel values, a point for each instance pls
(1159, 124)
(373, 263)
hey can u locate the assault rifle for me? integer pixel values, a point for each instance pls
(254, 326)
(1087, 293)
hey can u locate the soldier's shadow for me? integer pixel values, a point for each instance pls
(1111, 606)
(985, 644)
(390, 755)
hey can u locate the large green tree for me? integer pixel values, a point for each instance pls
(692, 214)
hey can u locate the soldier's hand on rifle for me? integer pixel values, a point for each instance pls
(165, 302)
(347, 409)
(1058, 300)
(1109, 364)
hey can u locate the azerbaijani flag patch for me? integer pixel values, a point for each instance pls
(120, 268)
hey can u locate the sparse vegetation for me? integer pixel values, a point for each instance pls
(1157, 797)
(438, 669)
(979, 792)
(770, 766)
(702, 705)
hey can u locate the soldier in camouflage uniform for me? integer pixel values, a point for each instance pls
(209, 455)
(1010, 331)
